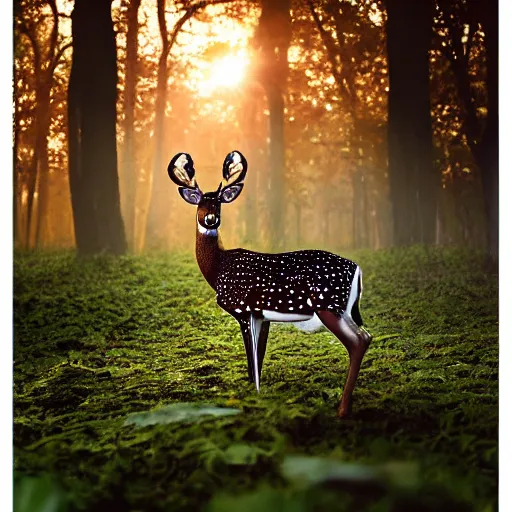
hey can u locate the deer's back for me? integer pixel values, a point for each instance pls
(298, 282)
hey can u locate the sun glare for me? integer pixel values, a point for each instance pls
(224, 73)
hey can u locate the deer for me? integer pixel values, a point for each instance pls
(312, 289)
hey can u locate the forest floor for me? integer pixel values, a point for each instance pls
(98, 341)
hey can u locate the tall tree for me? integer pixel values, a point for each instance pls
(92, 99)
(158, 202)
(272, 39)
(16, 203)
(253, 140)
(158, 193)
(354, 48)
(413, 180)
(47, 50)
(128, 167)
(488, 147)
(464, 21)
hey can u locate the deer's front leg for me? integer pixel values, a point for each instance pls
(262, 344)
(255, 333)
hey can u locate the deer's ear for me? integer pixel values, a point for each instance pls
(181, 170)
(230, 193)
(234, 168)
(191, 195)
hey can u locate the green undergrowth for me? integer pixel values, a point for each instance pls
(130, 392)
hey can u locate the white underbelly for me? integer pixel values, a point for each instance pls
(307, 323)
(274, 316)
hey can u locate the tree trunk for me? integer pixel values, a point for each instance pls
(488, 148)
(250, 149)
(413, 180)
(298, 224)
(277, 166)
(359, 208)
(31, 191)
(485, 147)
(16, 193)
(43, 192)
(43, 129)
(251, 207)
(272, 36)
(129, 175)
(326, 225)
(355, 210)
(155, 230)
(92, 98)
(364, 210)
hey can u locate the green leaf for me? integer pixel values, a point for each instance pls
(261, 500)
(38, 494)
(311, 471)
(242, 453)
(182, 412)
(315, 470)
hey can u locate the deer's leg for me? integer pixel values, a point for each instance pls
(356, 340)
(262, 344)
(251, 328)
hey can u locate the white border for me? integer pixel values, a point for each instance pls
(505, 294)
(6, 371)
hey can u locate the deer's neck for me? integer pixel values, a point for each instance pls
(209, 251)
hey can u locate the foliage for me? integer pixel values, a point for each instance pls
(335, 119)
(180, 412)
(38, 494)
(100, 339)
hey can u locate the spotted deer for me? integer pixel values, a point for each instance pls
(309, 288)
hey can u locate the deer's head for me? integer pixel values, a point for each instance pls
(181, 171)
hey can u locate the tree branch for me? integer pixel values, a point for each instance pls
(332, 52)
(190, 12)
(459, 63)
(472, 30)
(55, 28)
(162, 25)
(60, 53)
(33, 41)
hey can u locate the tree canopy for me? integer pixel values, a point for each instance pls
(303, 88)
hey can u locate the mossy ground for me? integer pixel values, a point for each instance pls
(96, 340)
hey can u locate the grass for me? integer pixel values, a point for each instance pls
(99, 340)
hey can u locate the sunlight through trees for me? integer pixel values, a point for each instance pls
(310, 91)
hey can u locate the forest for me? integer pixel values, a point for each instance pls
(370, 128)
(301, 88)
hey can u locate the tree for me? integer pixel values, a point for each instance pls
(47, 48)
(464, 23)
(354, 47)
(92, 99)
(128, 167)
(413, 180)
(272, 39)
(158, 191)
(158, 201)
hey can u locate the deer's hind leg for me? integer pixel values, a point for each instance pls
(356, 340)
